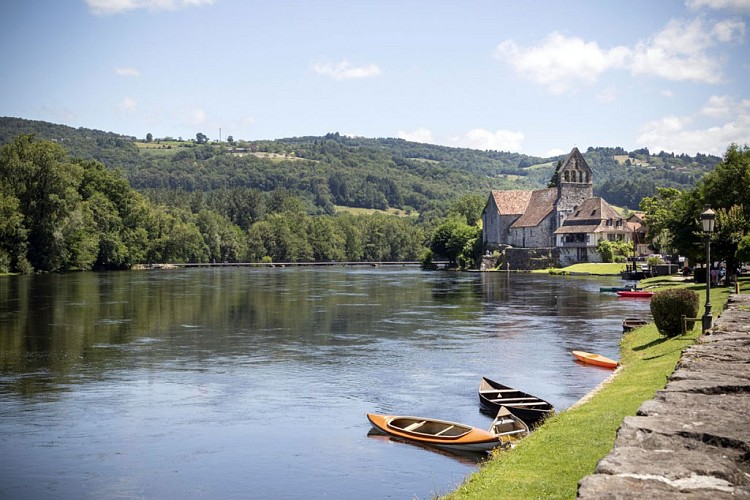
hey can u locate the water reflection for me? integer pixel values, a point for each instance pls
(215, 382)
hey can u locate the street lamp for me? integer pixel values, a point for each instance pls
(708, 219)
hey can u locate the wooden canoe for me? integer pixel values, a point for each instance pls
(629, 324)
(508, 427)
(595, 359)
(638, 294)
(531, 409)
(618, 289)
(439, 433)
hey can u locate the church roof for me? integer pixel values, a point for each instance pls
(592, 217)
(511, 202)
(540, 205)
(575, 161)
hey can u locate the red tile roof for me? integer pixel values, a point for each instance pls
(511, 202)
(540, 205)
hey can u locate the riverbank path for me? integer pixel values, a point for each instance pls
(693, 439)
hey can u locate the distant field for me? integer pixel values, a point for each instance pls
(161, 148)
(370, 211)
(425, 160)
(541, 165)
(275, 157)
(638, 163)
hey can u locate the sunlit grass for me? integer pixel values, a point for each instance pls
(550, 462)
(613, 269)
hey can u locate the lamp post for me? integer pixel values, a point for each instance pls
(708, 218)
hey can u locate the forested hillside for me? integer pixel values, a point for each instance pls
(350, 171)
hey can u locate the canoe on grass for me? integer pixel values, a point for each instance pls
(439, 433)
(638, 294)
(630, 324)
(529, 408)
(508, 427)
(595, 359)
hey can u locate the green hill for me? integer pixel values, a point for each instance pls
(357, 172)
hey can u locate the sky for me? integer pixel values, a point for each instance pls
(536, 77)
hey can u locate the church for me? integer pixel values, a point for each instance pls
(567, 217)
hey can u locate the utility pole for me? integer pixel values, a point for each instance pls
(219, 134)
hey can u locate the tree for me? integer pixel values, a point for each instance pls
(726, 189)
(555, 179)
(12, 236)
(469, 207)
(230, 140)
(37, 174)
(149, 137)
(450, 238)
(201, 138)
(728, 184)
(731, 227)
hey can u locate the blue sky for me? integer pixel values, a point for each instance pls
(531, 77)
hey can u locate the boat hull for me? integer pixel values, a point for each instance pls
(635, 294)
(529, 408)
(473, 439)
(595, 359)
(630, 324)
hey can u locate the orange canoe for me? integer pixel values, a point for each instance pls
(595, 359)
(440, 433)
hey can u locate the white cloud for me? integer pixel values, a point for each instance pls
(667, 93)
(561, 62)
(422, 135)
(122, 71)
(500, 140)
(110, 7)
(679, 52)
(128, 105)
(718, 106)
(344, 70)
(554, 152)
(733, 5)
(688, 134)
(248, 120)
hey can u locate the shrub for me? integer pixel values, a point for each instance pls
(668, 307)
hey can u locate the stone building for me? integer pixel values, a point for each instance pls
(539, 218)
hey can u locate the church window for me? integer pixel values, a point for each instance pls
(567, 176)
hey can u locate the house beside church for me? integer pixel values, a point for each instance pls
(567, 218)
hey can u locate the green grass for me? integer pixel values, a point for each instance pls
(550, 462)
(371, 211)
(591, 268)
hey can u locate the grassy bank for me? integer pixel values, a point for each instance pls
(598, 269)
(550, 462)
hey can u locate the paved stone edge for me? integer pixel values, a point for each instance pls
(692, 440)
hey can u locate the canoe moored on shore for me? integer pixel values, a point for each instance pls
(595, 359)
(636, 294)
(434, 432)
(630, 324)
(529, 408)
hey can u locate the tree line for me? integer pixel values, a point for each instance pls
(673, 215)
(62, 214)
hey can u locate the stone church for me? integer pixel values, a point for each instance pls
(567, 217)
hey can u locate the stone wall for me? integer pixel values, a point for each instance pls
(523, 259)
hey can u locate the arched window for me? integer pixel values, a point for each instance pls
(567, 176)
(587, 178)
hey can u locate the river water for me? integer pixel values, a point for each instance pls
(254, 383)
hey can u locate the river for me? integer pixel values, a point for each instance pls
(254, 383)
